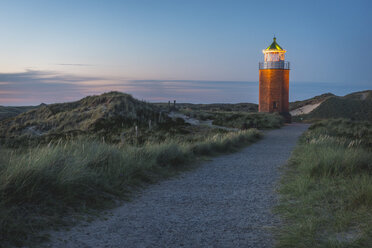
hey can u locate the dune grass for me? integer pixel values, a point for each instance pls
(240, 120)
(40, 186)
(9, 111)
(326, 191)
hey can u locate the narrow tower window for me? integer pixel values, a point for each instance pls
(275, 106)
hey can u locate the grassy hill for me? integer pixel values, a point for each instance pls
(111, 113)
(360, 95)
(313, 100)
(6, 112)
(355, 106)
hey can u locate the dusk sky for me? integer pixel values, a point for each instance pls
(191, 51)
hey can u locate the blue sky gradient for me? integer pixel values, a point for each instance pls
(54, 51)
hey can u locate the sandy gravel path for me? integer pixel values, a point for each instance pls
(225, 202)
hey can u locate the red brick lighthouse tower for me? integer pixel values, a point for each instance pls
(274, 81)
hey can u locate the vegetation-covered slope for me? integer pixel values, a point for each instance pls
(313, 100)
(326, 191)
(361, 95)
(106, 113)
(6, 112)
(355, 106)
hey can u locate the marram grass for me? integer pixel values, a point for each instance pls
(326, 191)
(40, 185)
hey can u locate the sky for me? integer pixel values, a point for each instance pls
(192, 51)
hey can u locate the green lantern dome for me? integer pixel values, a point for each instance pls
(274, 46)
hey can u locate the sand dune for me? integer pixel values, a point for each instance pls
(305, 109)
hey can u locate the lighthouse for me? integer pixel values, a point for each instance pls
(274, 81)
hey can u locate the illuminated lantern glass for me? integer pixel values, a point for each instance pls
(274, 52)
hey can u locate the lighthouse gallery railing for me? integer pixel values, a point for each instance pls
(274, 65)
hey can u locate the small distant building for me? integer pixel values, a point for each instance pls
(274, 81)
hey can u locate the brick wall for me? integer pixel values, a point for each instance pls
(273, 87)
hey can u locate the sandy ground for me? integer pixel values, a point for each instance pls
(363, 96)
(225, 202)
(305, 109)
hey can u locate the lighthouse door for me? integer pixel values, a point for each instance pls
(275, 105)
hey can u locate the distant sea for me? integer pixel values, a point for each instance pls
(183, 91)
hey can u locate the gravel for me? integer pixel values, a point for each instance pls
(226, 202)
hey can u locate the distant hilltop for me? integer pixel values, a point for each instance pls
(108, 112)
(354, 106)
